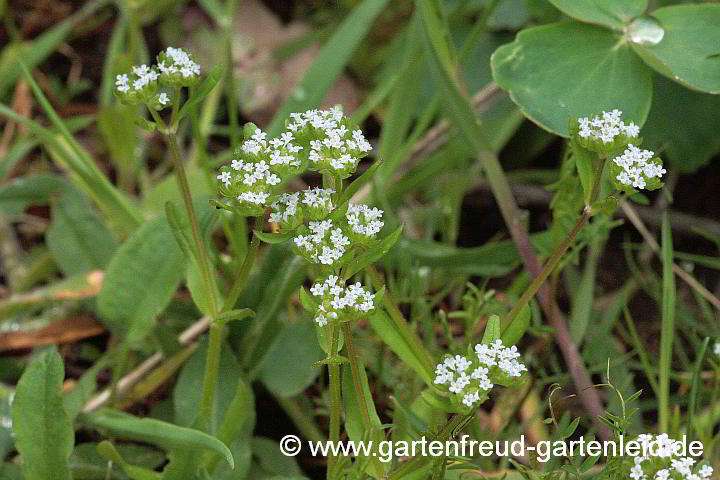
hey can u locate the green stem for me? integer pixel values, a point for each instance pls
(357, 380)
(244, 272)
(335, 398)
(202, 256)
(560, 250)
(547, 269)
(447, 432)
(212, 361)
(210, 376)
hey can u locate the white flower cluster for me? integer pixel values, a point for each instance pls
(285, 207)
(177, 60)
(339, 300)
(338, 149)
(473, 378)
(319, 198)
(325, 245)
(257, 198)
(664, 463)
(142, 76)
(606, 127)
(637, 167)
(364, 220)
(716, 348)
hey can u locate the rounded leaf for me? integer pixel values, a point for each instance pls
(568, 70)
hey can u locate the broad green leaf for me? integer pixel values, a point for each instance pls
(141, 279)
(78, 240)
(329, 62)
(273, 238)
(164, 435)
(683, 124)
(613, 13)
(94, 459)
(567, 70)
(689, 52)
(287, 368)
(43, 433)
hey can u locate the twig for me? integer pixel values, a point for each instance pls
(677, 270)
(132, 378)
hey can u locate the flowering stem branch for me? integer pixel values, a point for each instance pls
(357, 380)
(244, 272)
(335, 398)
(450, 429)
(548, 268)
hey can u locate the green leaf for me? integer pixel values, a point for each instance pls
(107, 450)
(374, 254)
(513, 332)
(43, 433)
(613, 13)
(689, 51)
(273, 238)
(201, 91)
(78, 240)
(567, 70)
(27, 190)
(148, 430)
(384, 328)
(141, 280)
(308, 303)
(328, 63)
(688, 144)
(233, 315)
(287, 368)
(492, 330)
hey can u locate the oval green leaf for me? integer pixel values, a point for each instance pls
(567, 70)
(43, 433)
(689, 52)
(613, 13)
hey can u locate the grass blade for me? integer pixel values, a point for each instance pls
(668, 327)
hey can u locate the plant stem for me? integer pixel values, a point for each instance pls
(212, 361)
(244, 272)
(447, 432)
(550, 265)
(335, 398)
(357, 380)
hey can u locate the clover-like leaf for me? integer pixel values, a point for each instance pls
(689, 52)
(613, 13)
(567, 70)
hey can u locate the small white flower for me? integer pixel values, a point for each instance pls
(637, 167)
(716, 348)
(636, 472)
(364, 220)
(606, 127)
(164, 99)
(225, 177)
